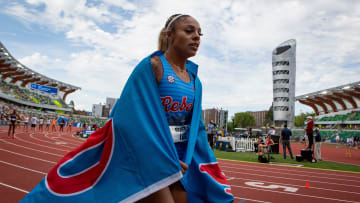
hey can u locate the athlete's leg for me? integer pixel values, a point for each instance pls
(178, 192)
(162, 196)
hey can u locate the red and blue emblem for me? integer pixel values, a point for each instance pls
(75, 174)
(213, 170)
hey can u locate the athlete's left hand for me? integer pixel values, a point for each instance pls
(184, 167)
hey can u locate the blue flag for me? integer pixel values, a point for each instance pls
(133, 155)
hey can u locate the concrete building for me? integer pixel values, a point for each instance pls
(284, 73)
(219, 116)
(110, 102)
(259, 117)
(97, 110)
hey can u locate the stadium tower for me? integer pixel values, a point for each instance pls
(284, 72)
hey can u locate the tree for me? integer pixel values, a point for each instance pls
(300, 119)
(244, 120)
(230, 126)
(269, 117)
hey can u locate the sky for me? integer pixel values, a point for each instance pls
(96, 44)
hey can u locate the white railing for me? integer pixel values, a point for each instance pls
(240, 144)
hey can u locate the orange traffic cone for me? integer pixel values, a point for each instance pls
(67, 150)
(307, 185)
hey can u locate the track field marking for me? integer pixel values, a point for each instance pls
(80, 139)
(282, 193)
(261, 185)
(243, 173)
(32, 170)
(12, 187)
(287, 170)
(247, 179)
(60, 143)
(32, 136)
(244, 199)
(22, 140)
(62, 138)
(28, 156)
(305, 168)
(58, 155)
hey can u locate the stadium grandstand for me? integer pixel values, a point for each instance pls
(22, 85)
(32, 93)
(337, 110)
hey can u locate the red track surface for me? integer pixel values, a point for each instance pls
(25, 160)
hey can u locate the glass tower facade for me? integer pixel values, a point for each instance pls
(284, 74)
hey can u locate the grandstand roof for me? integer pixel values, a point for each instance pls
(13, 69)
(341, 98)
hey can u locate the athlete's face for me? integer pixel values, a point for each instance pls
(186, 38)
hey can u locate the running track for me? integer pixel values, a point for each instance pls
(25, 160)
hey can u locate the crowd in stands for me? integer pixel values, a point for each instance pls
(27, 95)
(352, 116)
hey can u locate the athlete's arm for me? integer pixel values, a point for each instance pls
(157, 68)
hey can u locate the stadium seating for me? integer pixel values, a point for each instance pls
(29, 96)
(336, 118)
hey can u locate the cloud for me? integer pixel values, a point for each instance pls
(235, 53)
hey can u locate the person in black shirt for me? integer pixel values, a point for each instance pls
(285, 139)
(356, 141)
(12, 118)
(61, 124)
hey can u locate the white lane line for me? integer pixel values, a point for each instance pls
(308, 180)
(67, 137)
(12, 187)
(28, 156)
(58, 137)
(287, 170)
(18, 138)
(295, 174)
(59, 155)
(32, 170)
(293, 185)
(282, 193)
(242, 198)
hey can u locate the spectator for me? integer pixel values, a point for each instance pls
(309, 131)
(257, 143)
(271, 131)
(268, 143)
(349, 143)
(48, 121)
(41, 123)
(210, 133)
(53, 125)
(26, 123)
(356, 141)
(317, 144)
(337, 140)
(61, 124)
(70, 123)
(250, 133)
(12, 118)
(285, 139)
(33, 123)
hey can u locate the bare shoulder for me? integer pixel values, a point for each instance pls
(157, 68)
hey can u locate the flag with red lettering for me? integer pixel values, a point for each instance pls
(133, 155)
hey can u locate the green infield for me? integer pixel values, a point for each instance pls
(278, 158)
